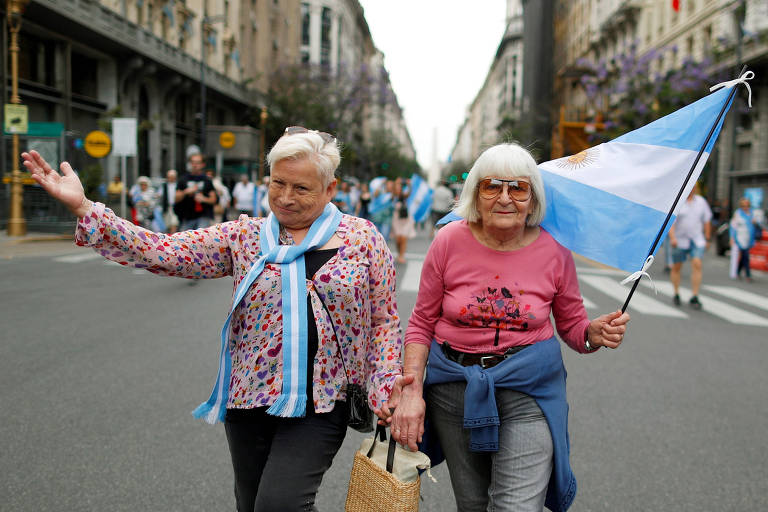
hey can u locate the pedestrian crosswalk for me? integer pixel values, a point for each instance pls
(602, 286)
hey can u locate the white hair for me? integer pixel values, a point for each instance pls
(310, 145)
(503, 161)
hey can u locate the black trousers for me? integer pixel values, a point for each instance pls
(279, 463)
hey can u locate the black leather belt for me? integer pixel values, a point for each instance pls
(482, 360)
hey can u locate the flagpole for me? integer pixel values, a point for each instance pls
(685, 183)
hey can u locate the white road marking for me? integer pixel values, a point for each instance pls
(753, 299)
(640, 302)
(715, 307)
(410, 282)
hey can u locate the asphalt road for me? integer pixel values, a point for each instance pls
(101, 365)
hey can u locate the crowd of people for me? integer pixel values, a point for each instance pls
(199, 198)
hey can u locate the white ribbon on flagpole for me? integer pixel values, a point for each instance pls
(749, 75)
(642, 272)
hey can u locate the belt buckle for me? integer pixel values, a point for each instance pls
(483, 360)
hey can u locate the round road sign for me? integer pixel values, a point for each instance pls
(98, 144)
(227, 140)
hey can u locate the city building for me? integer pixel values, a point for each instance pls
(186, 70)
(725, 33)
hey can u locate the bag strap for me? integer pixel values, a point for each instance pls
(338, 344)
(381, 432)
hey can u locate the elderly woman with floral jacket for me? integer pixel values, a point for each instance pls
(313, 309)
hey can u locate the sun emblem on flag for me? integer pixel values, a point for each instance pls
(579, 160)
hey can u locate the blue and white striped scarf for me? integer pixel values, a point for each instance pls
(292, 401)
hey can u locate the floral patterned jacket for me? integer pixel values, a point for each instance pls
(357, 286)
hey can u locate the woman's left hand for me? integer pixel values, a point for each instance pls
(608, 330)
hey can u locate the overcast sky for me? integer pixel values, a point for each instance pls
(438, 53)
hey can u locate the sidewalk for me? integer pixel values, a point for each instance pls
(36, 244)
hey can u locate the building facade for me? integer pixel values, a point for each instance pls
(725, 33)
(185, 69)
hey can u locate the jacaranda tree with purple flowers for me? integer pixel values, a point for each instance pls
(629, 92)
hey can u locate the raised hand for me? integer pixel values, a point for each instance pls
(64, 187)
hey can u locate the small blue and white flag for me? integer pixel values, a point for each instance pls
(609, 202)
(420, 200)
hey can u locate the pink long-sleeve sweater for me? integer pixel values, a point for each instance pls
(482, 300)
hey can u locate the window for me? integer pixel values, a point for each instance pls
(744, 157)
(325, 37)
(150, 15)
(36, 60)
(305, 24)
(85, 75)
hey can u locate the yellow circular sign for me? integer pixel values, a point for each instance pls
(227, 140)
(98, 144)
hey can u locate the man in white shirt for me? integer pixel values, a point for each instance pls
(243, 196)
(689, 236)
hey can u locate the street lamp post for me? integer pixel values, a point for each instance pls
(263, 118)
(17, 226)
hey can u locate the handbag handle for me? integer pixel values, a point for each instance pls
(381, 432)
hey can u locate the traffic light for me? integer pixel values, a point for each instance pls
(452, 178)
(464, 175)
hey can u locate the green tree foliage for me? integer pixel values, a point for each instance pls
(382, 156)
(337, 103)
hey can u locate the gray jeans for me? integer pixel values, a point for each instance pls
(513, 479)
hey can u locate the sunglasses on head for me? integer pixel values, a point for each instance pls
(490, 188)
(293, 130)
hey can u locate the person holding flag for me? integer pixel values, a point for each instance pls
(493, 277)
(495, 385)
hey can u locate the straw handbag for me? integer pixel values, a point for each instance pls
(385, 476)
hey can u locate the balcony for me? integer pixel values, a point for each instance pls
(108, 30)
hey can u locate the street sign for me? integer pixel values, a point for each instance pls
(16, 118)
(98, 144)
(227, 140)
(124, 133)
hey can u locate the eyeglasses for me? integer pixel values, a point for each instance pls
(293, 130)
(490, 188)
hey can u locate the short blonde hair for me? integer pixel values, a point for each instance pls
(310, 145)
(503, 161)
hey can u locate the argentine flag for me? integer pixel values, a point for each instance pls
(609, 202)
(420, 200)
